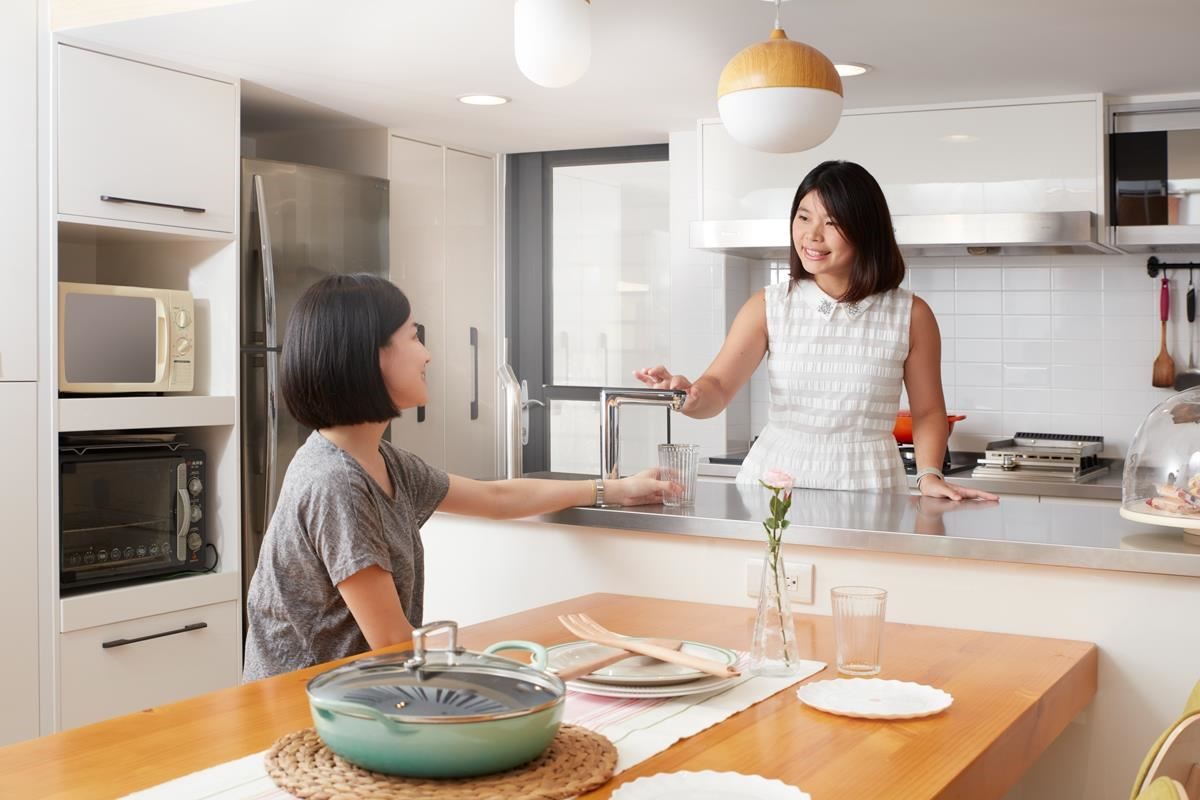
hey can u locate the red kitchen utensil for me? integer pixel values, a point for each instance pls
(1164, 366)
(903, 429)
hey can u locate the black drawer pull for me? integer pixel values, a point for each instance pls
(195, 626)
(108, 198)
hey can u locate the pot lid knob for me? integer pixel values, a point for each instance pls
(418, 657)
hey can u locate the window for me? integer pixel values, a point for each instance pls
(599, 254)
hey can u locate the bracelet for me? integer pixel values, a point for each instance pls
(928, 471)
(598, 493)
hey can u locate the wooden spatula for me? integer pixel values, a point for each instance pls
(588, 667)
(585, 628)
(1164, 365)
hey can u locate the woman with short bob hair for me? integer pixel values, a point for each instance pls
(841, 338)
(341, 568)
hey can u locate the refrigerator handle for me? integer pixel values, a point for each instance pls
(268, 264)
(474, 338)
(421, 339)
(272, 348)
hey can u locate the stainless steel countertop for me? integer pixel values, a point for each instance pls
(1018, 529)
(1105, 487)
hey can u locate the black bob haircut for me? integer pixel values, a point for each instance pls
(330, 367)
(854, 200)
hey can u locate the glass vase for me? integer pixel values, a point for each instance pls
(774, 652)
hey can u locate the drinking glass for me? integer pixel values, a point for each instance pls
(678, 463)
(858, 628)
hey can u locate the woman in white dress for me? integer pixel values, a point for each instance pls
(840, 336)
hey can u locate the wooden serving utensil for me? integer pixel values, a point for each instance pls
(585, 627)
(588, 667)
(1164, 365)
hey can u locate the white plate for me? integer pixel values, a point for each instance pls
(707, 785)
(872, 698)
(709, 683)
(638, 670)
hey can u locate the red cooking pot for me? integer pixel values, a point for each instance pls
(903, 429)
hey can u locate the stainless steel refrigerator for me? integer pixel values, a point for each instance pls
(299, 224)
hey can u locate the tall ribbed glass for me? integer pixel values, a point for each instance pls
(678, 463)
(858, 628)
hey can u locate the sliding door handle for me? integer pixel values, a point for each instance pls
(421, 339)
(474, 338)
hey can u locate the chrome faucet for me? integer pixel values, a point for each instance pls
(611, 401)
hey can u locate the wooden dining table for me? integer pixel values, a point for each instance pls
(1012, 696)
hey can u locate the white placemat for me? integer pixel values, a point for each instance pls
(639, 728)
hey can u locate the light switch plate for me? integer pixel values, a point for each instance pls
(800, 578)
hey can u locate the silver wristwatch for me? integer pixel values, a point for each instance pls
(599, 493)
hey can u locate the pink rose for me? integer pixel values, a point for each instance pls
(778, 479)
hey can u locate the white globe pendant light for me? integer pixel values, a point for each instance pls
(780, 96)
(552, 40)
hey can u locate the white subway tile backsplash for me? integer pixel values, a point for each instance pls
(1076, 279)
(973, 279)
(1078, 328)
(1026, 278)
(979, 327)
(979, 350)
(1022, 327)
(939, 302)
(1026, 302)
(1026, 352)
(1026, 377)
(925, 279)
(1055, 344)
(1075, 303)
(1075, 376)
(978, 303)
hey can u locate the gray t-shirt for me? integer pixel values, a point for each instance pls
(332, 521)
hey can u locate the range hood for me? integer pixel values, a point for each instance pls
(1034, 233)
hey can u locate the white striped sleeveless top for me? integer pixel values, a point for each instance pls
(835, 372)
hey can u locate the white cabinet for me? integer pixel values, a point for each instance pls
(18, 562)
(18, 202)
(443, 256)
(145, 144)
(1036, 155)
(127, 666)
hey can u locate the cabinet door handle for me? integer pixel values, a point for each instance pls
(271, 340)
(108, 198)
(195, 626)
(421, 339)
(474, 338)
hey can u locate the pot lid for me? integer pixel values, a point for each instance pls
(452, 685)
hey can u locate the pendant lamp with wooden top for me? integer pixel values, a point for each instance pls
(780, 96)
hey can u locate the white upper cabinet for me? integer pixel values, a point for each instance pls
(145, 144)
(18, 203)
(1037, 155)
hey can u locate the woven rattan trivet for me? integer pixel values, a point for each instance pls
(577, 761)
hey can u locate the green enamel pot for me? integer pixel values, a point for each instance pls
(439, 713)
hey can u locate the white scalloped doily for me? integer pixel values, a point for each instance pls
(873, 698)
(707, 785)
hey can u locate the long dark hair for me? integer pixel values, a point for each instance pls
(853, 198)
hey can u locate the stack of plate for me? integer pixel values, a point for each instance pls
(641, 676)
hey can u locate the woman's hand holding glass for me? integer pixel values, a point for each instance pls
(639, 489)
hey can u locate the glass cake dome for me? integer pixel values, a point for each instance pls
(1161, 483)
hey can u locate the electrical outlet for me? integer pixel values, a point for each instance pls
(799, 583)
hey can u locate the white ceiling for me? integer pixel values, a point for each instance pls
(655, 63)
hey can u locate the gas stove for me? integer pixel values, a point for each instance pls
(1054, 457)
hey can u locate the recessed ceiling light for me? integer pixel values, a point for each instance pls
(851, 70)
(958, 138)
(484, 99)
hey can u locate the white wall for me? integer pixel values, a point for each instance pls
(1061, 344)
(1141, 623)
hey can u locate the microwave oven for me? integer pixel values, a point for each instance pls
(124, 339)
(126, 514)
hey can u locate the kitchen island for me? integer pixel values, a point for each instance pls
(1012, 696)
(1066, 569)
